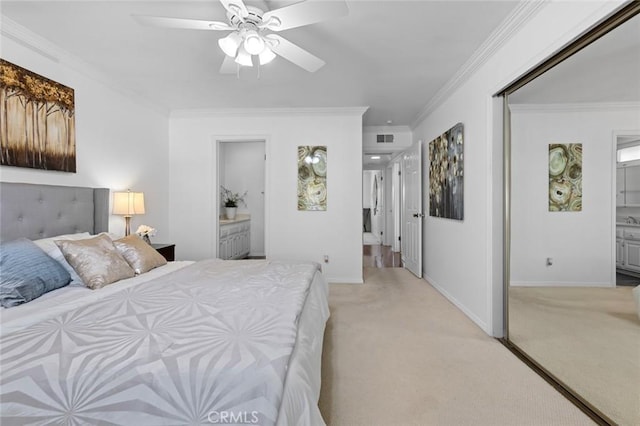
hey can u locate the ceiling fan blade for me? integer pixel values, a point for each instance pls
(304, 13)
(229, 66)
(235, 7)
(294, 53)
(179, 23)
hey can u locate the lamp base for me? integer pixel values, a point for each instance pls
(127, 225)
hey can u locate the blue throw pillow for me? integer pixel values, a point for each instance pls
(27, 272)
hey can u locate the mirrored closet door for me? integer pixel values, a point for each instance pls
(570, 300)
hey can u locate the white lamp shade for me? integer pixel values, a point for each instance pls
(244, 58)
(266, 56)
(128, 203)
(230, 44)
(253, 43)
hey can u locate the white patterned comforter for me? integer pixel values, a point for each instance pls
(210, 343)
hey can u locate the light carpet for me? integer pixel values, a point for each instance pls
(587, 337)
(396, 352)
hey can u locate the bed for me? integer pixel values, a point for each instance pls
(227, 342)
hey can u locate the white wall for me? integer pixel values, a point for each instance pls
(367, 184)
(580, 243)
(121, 142)
(244, 170)
(462, 259)
(290, 234)
(624, 212)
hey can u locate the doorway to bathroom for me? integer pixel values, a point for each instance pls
(242, 175)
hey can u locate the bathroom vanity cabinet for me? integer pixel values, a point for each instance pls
(628, 248)
(235, 238)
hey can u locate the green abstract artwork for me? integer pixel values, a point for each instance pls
(312, 178)
(565, 177)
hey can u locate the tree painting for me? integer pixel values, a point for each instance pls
(37, 121)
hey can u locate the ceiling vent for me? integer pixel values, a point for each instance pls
(384, 138)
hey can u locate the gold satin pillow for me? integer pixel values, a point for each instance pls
(138, 254)
(96, 261)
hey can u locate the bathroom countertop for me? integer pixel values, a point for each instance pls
(238, 218)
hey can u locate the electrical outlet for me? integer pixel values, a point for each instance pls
(326, 258)
(549, 261)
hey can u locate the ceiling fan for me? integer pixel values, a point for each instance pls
(252, 37)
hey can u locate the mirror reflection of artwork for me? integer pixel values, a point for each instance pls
(312, 178)
(38, 121)
(446, 174)
(565, 177)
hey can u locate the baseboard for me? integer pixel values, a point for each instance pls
(560, 284)
(473, 317)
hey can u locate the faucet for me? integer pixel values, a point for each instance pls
(631, 219)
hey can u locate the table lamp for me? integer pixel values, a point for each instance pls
(128, 204)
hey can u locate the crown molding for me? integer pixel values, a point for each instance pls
(523, 13)
(262, 112)
(386, 128)
(575, 107)
(28, 39)
(43, 47)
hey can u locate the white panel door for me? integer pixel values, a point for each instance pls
(395, 194)
(412, 210)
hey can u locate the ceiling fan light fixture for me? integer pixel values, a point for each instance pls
(247, 29)
(230, 44)
(253, 43)
(266, 56)
(244, 58)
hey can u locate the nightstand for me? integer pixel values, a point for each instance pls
(166, 250)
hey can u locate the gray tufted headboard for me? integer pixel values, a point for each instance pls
(39, 211)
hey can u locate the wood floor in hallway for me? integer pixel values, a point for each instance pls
(379, 256)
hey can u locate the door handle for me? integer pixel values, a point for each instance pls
(418, 215)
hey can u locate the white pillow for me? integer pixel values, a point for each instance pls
(49, 246)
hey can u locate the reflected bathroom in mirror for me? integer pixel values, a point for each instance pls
(572, 274)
